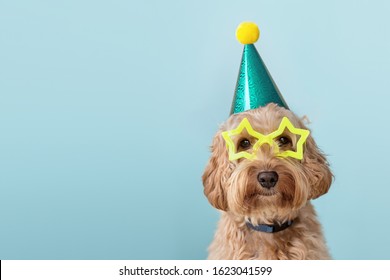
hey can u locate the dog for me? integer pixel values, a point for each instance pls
(265, 201)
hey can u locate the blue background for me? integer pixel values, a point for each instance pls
(107, 109)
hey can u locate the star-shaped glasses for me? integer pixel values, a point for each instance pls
(265, 139)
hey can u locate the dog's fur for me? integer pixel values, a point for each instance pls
(232, 187)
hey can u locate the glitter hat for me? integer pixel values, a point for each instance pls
(255, 86)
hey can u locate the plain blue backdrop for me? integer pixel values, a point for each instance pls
(107, 110)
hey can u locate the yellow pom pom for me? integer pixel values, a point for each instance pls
(247, 33)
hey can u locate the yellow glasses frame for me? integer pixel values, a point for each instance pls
(265, 139)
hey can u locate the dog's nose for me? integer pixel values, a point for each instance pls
(268, 179)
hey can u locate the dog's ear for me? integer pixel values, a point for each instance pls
(318, 171)
(216, 174)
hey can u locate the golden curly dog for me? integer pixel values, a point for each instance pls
(266, 206)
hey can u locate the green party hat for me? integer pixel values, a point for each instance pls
(255, 86)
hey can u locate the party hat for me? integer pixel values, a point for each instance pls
(255, 86)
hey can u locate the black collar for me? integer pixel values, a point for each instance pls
(269, 228)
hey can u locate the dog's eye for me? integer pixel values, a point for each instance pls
(283, 141)
(244, 144)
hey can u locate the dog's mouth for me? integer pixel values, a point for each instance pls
(252, 196)
(254, 199)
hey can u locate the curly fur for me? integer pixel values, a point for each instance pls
(232, 187)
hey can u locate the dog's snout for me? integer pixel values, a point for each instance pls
(268, 179)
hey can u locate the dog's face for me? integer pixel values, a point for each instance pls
(267, 185)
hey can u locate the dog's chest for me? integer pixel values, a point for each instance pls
(270, 248)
